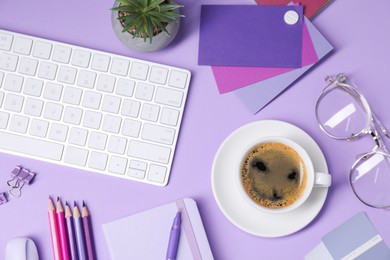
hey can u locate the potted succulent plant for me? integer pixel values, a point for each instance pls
(146, 25)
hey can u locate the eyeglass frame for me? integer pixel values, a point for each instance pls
(370, 128)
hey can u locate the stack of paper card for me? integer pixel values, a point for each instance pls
(258, 51)
(357, 238)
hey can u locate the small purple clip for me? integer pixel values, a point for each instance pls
(20, 177)
(3, 198)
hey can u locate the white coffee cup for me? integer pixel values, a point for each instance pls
(313, 179)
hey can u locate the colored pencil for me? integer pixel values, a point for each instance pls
(79, 232)
(88, 232)
(62, 231)
(55, 240)
(70, 229)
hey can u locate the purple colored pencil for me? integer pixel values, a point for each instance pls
(88, 233)
(71, 236)
(79, 233)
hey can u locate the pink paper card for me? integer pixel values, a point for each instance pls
(231, 78)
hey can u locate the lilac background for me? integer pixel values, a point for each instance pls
(359, 32)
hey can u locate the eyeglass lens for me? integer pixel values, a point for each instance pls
(340, 114)
(370, 179)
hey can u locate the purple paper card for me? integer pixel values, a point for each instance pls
(258, 95)
(230, 78)
(250, 35)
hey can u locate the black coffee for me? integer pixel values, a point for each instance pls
(273, 175)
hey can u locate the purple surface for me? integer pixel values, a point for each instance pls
(250, 35)
(359, 34)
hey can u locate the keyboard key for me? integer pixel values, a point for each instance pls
(159, 134)
(130, 108)
(177, 79)
(157, 173)
(169, 116)
(19, 124)
(72, 95)
(62, 54)
(117, 145)
(4, 116)
(5, 41)
(147, 151)
(138, 165)
(78, 136)
(42, 50)
(139, 70)
(92, 99)
(125, 87)
(144, 91)
(8, 61)
(81, 58)
(76, 156)
(92, 119)
(117, 165)
(1, 78)
(13, 83)
(111, 104)
(72, 115)
(58, 132)
(33, 107)
(39, 128)
(1, 98)
(86, 79)
(150, 112)
(120, 67)
(98, 161)
(158, 75)
(67, 75)
(111, 124)
(31, 146)
(169, 97)
(137, 169)
(22, 45)
(28, 66)
(105, 83)
(100, 62)
(131, 128)
(53, 111)
(47, 70)
(13, 103)
(97, 141)
(52, 91)
(33, 87)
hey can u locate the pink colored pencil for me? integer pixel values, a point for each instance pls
(54, 231)
(62, 232)
(88, 233)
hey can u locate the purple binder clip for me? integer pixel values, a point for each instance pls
(20, 177)
(3, 198)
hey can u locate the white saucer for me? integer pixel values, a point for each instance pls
(235, 206)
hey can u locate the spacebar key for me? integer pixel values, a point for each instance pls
(31, 146)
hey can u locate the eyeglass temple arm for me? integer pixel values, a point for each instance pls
(381, 126)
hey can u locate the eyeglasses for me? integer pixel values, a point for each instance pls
(343, 113)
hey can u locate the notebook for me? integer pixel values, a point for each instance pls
(145, 235)
(250, 35)
(356, 238)
(256, 96)
(229, 78)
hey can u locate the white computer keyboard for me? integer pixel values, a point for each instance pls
(89, 109)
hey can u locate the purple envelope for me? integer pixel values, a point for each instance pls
(250, 35)
(229, 78)
(258, 95)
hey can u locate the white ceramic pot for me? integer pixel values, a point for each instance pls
(159, 41)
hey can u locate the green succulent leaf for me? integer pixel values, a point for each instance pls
(146, 18)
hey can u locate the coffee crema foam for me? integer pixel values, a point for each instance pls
(273, 175)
